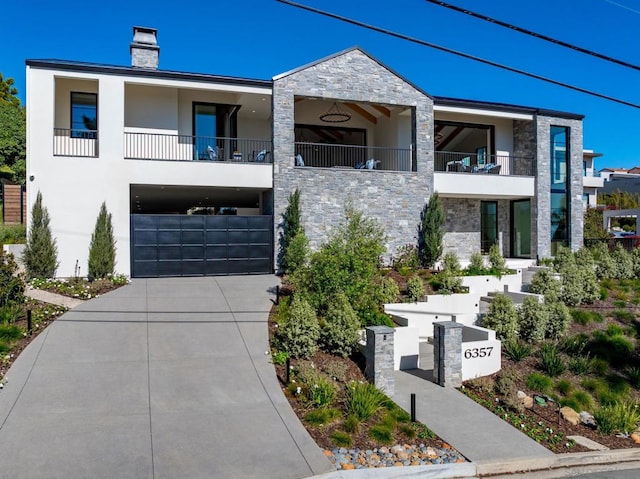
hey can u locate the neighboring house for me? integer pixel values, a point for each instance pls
(591, 180)
(157, 145)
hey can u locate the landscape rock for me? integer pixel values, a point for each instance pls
(587, 419)
(570, 415)
(636, 437)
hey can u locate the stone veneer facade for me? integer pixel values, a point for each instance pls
(394, 199)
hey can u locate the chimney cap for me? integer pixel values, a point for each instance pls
(145, 36)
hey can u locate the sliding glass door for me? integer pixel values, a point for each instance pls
(521, 229)
(214, 128)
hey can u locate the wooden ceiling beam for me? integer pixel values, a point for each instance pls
(450, 137)
(362, 112)
(384, 110)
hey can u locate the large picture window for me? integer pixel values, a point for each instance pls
(84, 115)
(560, 214)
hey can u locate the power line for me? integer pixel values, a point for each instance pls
(623, 6)
(537, 35)
(457, 53)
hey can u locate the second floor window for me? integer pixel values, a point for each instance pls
(84, 115)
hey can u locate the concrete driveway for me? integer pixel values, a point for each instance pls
(163, 378)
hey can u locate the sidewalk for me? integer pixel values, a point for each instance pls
(477, 433)
(53, 298)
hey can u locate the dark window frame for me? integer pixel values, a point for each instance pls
(80, 132)
(484, 246)
(561, 188)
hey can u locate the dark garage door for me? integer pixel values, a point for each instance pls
(193, 245)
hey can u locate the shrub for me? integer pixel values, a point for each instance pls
(342, 439)
(476, 265)
(381, 434)
(538, 382)
(532, 320)
(9, 332)
(564, 387)
(279, 357)
(624, 263)
(449, 283)
(559, 319)
(620, 417)
(389, 292)
(40, 255)
(452, 263)
(635, 258)
(348, 263)
(118, 279)
(431, 231)
(322, 392)
(606, 267)
(633, 373)
(502, 317)
(584, 399)
(10, 313)
(339, 331)
(296, 254)
(574, 345)
(406, 258)
(13, 234)
(585, 317)
(544, 282)
(352, 423)
(506, 383)
(102, 251)
(624, 315)
(11, 283)
(415, 289)
(550, 360)
(581, 364)
(497, 263)
(336, 370)
(516, 350)
(616, 349)
(374, 317)
(579, 285)
(322, 416)
(563, 259)
(363, 400)
(300, 332)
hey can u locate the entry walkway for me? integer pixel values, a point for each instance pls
(477, 433)
(163, 378)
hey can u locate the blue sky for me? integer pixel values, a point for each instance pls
(262, 38)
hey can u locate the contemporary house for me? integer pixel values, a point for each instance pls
(196, 169)
(591, 179)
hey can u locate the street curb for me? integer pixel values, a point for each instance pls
(435, 471)
(559, 461)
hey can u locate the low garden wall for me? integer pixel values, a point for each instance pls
(483, 285)
(481, 352)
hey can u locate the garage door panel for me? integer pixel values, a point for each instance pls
(183, 245)
(146, 253)
(193, 252)
(168, 222)
(237, 251)
(169, 237)
(173, 253)
(192, 237)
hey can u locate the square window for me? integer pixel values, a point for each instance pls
(84, 115)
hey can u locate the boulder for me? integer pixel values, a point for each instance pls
(587, 419)
(568, 414)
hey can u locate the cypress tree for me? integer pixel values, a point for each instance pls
(102, 252)
(291, 226)
(40, 255)
(431, 231)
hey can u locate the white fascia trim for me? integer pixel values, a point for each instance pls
(471, 111)
(197, 85)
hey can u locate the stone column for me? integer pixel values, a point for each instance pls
(379, 356)
(447, 353)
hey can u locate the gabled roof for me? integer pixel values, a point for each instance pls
(66, 65)
(335, 55)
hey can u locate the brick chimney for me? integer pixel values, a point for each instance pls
(144, 48)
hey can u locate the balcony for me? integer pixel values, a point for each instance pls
(155, 146)
(474, 163)
(592, 181)
(458, 175)
(326, 155)
(68, 142)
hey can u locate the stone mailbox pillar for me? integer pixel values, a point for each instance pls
(447, 354)
(379, 356)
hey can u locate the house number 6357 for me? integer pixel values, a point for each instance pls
(478, 352)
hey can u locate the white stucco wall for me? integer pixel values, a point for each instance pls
(73, 188)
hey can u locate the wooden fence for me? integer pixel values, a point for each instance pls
(14, 200)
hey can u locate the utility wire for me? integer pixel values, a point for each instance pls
(623, 6)
(537, 35)
(402, 36)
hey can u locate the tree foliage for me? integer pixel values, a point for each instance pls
(102, 251)
(502, 317)
(291, 227)
(40, 255)
(339, 330)
(12, 131)
(431, 231)
(593, 228)
(300, 333)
